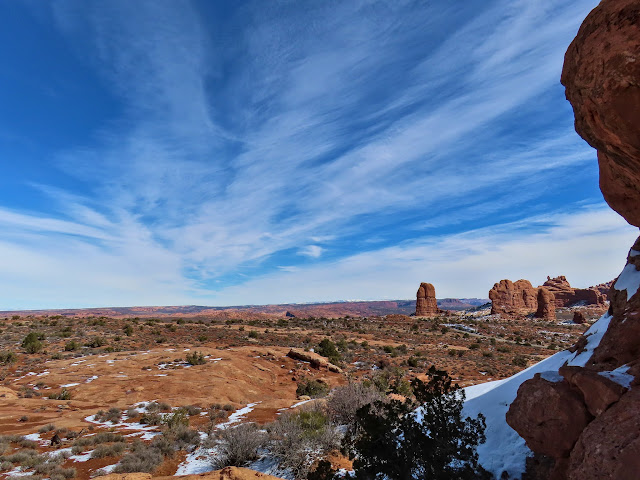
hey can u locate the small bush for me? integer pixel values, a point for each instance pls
(239, 445)
(47, 428)
(142, 458)
(32, 343)
(312, 388)
(345, 401)
(7, 358)
(71, 346)
(328, 349)
(96, 342)
(111, 450)
(195, 358)
(520, 361)
(64, 394)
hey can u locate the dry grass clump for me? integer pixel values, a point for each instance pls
(237, 446)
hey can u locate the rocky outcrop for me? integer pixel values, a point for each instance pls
(600, 74)
(565, 295)
(513, 298)
(546, 304)
(621, 344)
(578, 317)
(316, 361)
(602, 79)
(551, 415)
(521, 298)
(426, 304)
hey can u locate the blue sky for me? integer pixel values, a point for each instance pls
(225, 153)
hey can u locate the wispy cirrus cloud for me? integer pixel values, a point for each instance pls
(262, 135)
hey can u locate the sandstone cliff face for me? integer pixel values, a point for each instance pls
(602, 79)
(600, 74)
(426, 304)
(521, 298)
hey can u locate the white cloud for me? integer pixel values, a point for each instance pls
(313, 251)
(589, 247)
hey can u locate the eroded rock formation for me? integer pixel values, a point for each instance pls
(565, 295)
(521, 298)
(600, 74)
(602, 79)
(509, 297)
(426, 304)
(546, 304)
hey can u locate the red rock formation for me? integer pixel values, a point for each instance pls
(549, 416)
(602, 79)
(546, 304)
(621, 344)
(601, 72)
(578, 317)
(513, 298)
(609, 447)
(566, 296)
(426, 304)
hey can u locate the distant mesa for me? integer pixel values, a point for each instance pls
(426, 303)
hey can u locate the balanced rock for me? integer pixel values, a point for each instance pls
(426, 304)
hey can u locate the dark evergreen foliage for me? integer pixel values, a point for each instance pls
(423, 437)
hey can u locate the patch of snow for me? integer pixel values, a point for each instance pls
(628, 280)
(69, 385)
(554, 377)
(82, 457)
(35, 437)
(302, 402)
(91, 379)
(43, 374)
(236, 416)
(620, 376)
(504, 449)
(161, 375)
(199, 461)
(109, 468)
(594, 334)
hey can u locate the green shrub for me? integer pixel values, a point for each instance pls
(32, 343)
(388, 439)
(328, 349)
(312, 388)
(195, 358)
(7, 357)
(71, 346)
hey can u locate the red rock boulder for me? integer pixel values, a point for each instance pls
(578, 318)
(549, 415)
(426, 304)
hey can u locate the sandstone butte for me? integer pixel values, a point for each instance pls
(587, 418)
(426, 304)
(521, 298)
